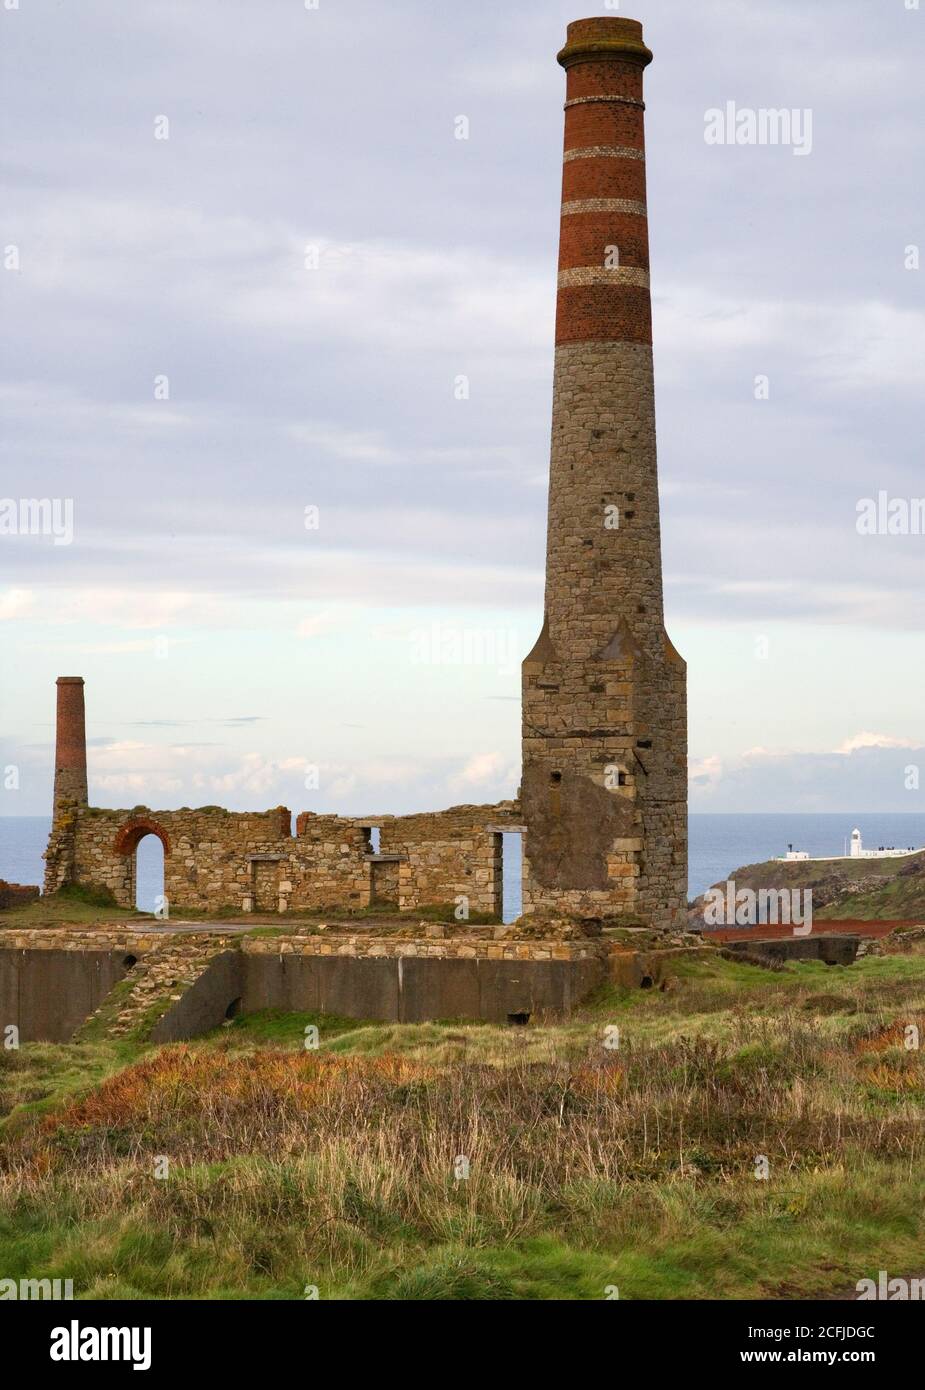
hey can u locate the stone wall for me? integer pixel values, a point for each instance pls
(220, 860)
(445, 856)
(17, 894)
(328, 864)
(208, 853)
(368, 946)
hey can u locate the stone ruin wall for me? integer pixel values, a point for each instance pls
(449, 855)
(218, 860)
(16, 894)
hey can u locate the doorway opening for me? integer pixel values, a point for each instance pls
(149, 873)
(511, 868)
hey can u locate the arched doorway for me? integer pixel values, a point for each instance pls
(149, 873)
(145, 845)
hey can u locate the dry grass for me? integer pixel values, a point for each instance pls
(585, 1166)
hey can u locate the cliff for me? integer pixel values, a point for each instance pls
(866, 889)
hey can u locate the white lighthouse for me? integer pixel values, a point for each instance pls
(857, 851)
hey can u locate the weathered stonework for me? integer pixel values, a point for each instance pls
(16, 894)
(231, 861)
(457, 948)
(451, 856)
(604, 692)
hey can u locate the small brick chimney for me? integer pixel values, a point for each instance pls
(604, 707)
(70, 743)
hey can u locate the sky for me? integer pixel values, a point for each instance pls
(247, 264)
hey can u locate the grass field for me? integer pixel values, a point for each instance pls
(588, 1166)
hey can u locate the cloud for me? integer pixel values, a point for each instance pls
(705, 771)
(858, 777)
(16, 603)
(316, 624)
(869, 740)
(858, 344)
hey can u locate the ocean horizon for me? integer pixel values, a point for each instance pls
(718, 845)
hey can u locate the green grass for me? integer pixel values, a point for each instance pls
(95, 1028)
(39, 1077)
(70, 908)
(286, 1029)
(588, 1168)
(899, 899)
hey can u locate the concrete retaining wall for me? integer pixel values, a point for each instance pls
(206, 1004)
(413, 989)
(51, 982)
(47, 994)
(834, 950)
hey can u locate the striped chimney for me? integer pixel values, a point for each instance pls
(70, 743)
(604, 701)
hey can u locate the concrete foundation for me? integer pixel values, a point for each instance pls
(408, 989)
(47, 994)
(834, 950)
(49, 990)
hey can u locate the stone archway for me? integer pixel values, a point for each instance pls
(126, 842)
(135, 829)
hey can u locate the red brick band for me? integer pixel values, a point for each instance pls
(604, 123)
(607, 80)
(604, 314)
(603, 178)
(585, 236)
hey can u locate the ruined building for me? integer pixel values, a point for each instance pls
(603, 807)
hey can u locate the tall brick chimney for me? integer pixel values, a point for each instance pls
(604, 691)
(70, 743)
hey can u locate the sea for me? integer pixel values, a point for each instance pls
(718, 845)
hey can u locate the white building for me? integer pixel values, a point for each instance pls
(884, 852)
(857, 851)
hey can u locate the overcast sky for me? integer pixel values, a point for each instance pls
(228, 650)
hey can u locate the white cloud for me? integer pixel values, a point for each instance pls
(705, 772)
(870, 740)
(853, 344)
(16, 603)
